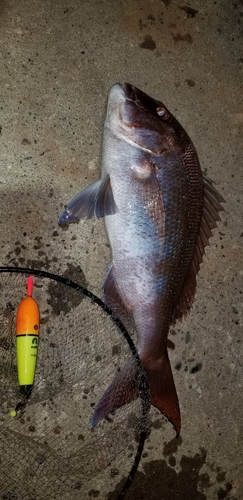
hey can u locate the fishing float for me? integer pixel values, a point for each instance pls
(27, 339)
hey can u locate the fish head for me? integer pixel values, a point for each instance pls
(143, 121)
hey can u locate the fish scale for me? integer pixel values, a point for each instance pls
(159, 212)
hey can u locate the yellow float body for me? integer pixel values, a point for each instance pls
(27, 338)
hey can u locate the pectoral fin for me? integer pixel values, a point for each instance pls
(94, 201)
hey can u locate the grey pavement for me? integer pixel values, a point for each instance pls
(58, 60)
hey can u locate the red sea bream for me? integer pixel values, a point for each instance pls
(159, 213)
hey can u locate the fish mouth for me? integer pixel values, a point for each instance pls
(123, 109)
(126, 90)
(131, 94)
(129, 91)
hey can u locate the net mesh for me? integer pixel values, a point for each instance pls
(49, 448)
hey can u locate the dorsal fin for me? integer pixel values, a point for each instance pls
(210, 215)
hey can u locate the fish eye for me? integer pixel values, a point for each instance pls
(162, 112)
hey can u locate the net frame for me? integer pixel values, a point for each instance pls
(143, 386)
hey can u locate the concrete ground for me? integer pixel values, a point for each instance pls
(58, 60)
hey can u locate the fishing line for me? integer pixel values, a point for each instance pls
(143, 385)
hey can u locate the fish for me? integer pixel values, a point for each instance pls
(159, 210)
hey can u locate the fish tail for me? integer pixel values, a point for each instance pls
(125, 388)
(162, 389)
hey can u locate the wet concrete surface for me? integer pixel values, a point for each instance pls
(58, 60)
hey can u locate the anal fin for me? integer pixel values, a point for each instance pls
(113, 299)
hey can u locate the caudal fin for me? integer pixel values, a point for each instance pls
(125, 388)
(162, 389)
